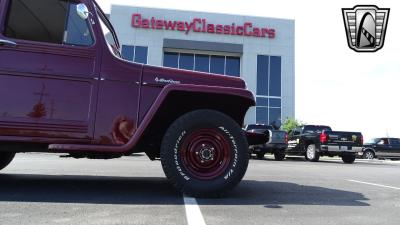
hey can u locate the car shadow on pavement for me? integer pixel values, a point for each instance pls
(158, 191)
(323, 160)
(274, 194)
(87, 189)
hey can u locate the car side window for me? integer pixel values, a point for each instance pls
(51, 21)
(395, 141)
(383, 142)
(296, 131)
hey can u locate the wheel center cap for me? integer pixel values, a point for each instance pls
(206, 153)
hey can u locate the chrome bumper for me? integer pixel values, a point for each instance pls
(337, 148)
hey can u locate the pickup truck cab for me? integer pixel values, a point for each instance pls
(276, 143)
(314, 141)
(381, 148)
(64, 88)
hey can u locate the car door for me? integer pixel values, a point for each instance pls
(395, 146)
(294, 140)
(382, 148)
(48, 70)
(118, 105)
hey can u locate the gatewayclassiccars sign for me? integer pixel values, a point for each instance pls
(200, 25)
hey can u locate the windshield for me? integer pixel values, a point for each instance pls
(109, 34)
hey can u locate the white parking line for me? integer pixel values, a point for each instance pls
(193, 212)
(378, 185)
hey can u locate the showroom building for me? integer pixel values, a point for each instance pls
(259, 50)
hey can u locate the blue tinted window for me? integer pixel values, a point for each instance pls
(262, 102)
(262, 115)
(217, 64)
(202, 63)
(171, 59)
(262, 74)
(275, 116)
(273, 102)
(186, 61)
(233, 66)
(141, 54)
(128, 52)
(275, 76)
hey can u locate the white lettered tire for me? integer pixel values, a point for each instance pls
(204, 153)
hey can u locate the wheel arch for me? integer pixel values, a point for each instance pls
(370, 149)
(307, 143)
(234, 106)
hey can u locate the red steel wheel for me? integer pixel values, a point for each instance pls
(205, 154)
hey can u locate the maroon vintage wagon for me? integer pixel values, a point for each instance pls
(64, 88)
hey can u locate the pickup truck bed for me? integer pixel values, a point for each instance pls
(340, 141)
(314, 141)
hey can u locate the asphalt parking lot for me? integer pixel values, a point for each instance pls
(45, 189)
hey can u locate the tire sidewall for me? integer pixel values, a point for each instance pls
(5, 159)
(238, 150)
(368, 152)
(349, 159)
(279, 155)
(311, 147)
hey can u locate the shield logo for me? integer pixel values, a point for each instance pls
(365, 27)
(354, 138)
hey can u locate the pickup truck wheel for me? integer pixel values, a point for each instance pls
(260, 155)
(368, 154)
(312, 154)
(349, 158)
(204, 153)
(279, 155)
(5, 159)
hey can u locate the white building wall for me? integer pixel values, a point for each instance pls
(282, 45)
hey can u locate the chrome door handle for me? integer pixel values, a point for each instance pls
(7, 43)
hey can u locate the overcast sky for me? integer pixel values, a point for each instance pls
(334, 85)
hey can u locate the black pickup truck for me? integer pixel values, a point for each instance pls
(381, 148)
(314, 141)
(275, 141)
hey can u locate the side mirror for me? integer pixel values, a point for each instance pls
(82, 11)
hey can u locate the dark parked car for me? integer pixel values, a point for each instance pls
(314, 141)
(64, 88)
(275, 143)
(382, 148)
